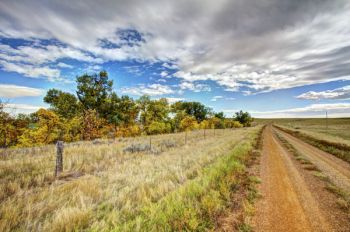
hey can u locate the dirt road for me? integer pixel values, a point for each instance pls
(336, 169)
(287, 203)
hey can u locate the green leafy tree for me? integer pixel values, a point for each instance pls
(195, 109)
(244, 118)
(153, 111)
(94, 92)
(64, 104)
(176, 120)
(220, 115)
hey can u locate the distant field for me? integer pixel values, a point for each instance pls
(335, 130)
(106, 187)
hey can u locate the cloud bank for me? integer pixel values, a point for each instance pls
(314, 110)
(256, 45)
(336, 94)
(12, 91)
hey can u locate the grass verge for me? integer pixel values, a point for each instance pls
(198, 203)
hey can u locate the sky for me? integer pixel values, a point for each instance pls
(272, 58)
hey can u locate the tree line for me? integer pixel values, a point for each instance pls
(96, 111)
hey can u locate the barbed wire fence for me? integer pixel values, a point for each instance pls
(51, 158)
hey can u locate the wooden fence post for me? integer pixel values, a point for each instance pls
(186, 137)
(204, 133)
(59, 158)
(150, 142)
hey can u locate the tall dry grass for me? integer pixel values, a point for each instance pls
(102, 187)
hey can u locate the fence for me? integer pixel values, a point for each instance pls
(53, 159)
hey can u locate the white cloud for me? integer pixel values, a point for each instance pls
(31, 70)
(215, 98)
(169, 66)
(12, 91)
(194, 87)
(21, 108)
(172, 100)
(164, 74)
(340, 93)
(314, 110)
(43, 54)
(64, 65)
(151, 90)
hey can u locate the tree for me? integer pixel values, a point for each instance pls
(176, 120)
(91, 125)
(159, 128)
(64, 104)
(216, 123)
(48, 129)
(244, 118)
(220, 115)
(123, 111)
(188, 123)
(127, 110)
(73, 129)
(93, 92)
(153, 111)
(6, 127)
(142, 104)
(205, 124)
(195, 109)
(158, 110)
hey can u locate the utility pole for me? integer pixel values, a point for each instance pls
(326, 121)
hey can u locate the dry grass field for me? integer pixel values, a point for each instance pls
(105, 186)
(334, 129)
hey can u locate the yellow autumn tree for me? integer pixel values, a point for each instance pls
(46, 130)
(188, 123)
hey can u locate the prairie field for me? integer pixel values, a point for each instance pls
(177, 181)
(333, 129)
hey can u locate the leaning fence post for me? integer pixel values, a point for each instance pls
(59, 158)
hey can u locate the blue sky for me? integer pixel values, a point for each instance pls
(271, 58)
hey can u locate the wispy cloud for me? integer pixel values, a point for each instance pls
(31, 70)
(151, 90)
(21, 108)
(215, 98)
(12, 91)
(337, 94)
(64, 65)
(172, 100)
(314, 110)
(195, 87)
